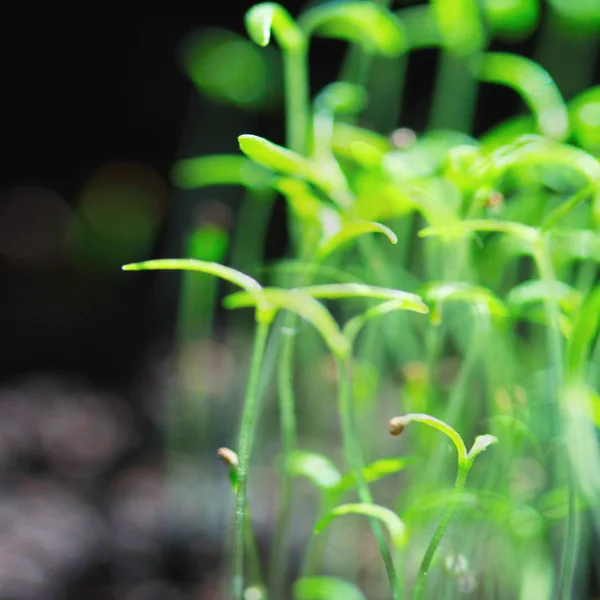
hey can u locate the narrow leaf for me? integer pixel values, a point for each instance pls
(316, 467)
(349, 231)
(482, 442)
(390, 519)
(246, 282)
(326, 588)
(534, 291)
(469, 226)
(364, 23)
(270, 17)
(223, 169)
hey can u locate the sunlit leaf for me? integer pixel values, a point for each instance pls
(514, 19)
(390, 519)
(353, 327)
(535, 86)
(349, 231)
(364, 23)
(302, 304)
(459, 25)
(344, 135)
(246, 282)
(341, 97)
(270, 17)
(326, 588)
(316, 467)
(480, 297)
(482, 442)
(223, 169)
(470, 226)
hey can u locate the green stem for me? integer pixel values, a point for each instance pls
(459, 486)
(569, 553)
(250, 416)
(356, 465)
(285, 389)
(297, 99)
(454, 97)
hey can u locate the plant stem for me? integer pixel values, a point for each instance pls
(356, 465)
(459, 486)
(454, 97)
(247, 431)
(297, 98)
(285, 393)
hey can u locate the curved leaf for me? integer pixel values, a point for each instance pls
(398, 424)
(482, 443)
(464, 228)
(250, 285)
(348, 232)
(219, 169)
(530, 292)
(479, 297)
(316, 467)
(302, 304)
(390, 519)
(269, 17)
(584, 15)
(341, 97)
(364, 23)
(326, 588)
(353, 327)
(331, 291)
(516, 18)
(535, 86)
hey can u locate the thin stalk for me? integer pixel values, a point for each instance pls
(459, 486)
(356, 465)
(287, 411)
(569, 550)
(247, 431)
(454, 96)
(297, 99)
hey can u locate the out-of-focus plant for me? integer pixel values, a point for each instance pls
(494, 238)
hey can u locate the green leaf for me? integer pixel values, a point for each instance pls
(535, 86)
(341, 97)
(364, 23)
(373, 472)
(584, 111)
(514, 19)
(482, 442)
(534, 291)
(459, 25)
(284, 161)
(250, 285)
(302, 304)
(581, 15)
(353, 327)
(326, 588)
(470, 226)
(390, 519)
(585, 327)
(349, 231)
(398, 424)
(270, 17)
(479, 297)
(223, 169)
(333, 291)
(420, 25)
(316, 467)
(344, 135)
